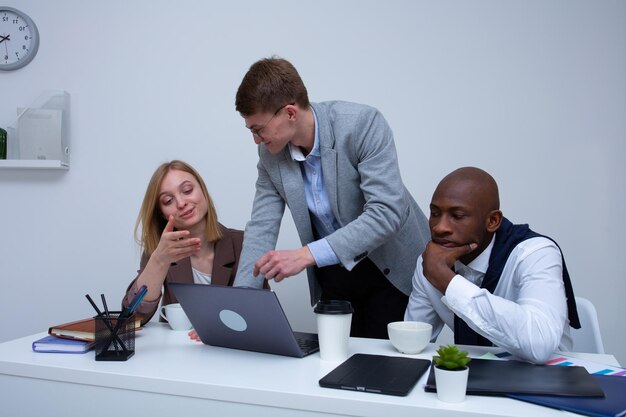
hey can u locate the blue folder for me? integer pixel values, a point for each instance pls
(613, 403)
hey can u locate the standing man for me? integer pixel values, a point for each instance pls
(334, 165)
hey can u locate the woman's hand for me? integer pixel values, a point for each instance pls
(194, 335)
(175, 245)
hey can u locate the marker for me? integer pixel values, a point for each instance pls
(134, 303)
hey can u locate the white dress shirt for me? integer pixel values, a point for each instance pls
(527, 312)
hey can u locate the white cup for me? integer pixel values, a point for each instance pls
(409, 336)
(334, 318)
(175, 316)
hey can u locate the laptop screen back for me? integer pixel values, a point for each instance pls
(238, 318)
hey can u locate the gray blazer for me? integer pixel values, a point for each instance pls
(379, 219)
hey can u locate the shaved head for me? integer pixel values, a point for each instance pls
(477, 185)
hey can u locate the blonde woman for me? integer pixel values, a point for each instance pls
(181, 238)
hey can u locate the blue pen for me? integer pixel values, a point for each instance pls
(134, 303)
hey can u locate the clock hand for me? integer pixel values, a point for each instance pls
(6, 38)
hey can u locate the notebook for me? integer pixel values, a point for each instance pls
(242, 318)
(52, 344)
(494, 377)
(391, 375)
(613, 404)
(84, 329)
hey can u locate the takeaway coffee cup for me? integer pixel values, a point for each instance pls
(333, 328)
(175, 316)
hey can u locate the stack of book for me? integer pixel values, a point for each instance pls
(74, 337)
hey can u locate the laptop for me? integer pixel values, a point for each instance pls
(242, 318)
(391, 375)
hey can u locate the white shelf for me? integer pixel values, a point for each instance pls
(33, 164)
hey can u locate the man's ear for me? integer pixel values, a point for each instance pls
(494, 220)
(291, 110)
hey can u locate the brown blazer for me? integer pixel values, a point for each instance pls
(225, 263)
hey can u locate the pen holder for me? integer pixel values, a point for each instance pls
(115, 337)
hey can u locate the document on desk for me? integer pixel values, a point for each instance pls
(591, 367)
(492, 377)
(563, 359)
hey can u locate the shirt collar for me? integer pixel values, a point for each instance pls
(481, 263)
(296, 152)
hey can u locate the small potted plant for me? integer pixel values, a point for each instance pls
(451, 373)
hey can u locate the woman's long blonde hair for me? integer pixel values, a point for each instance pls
(152, 221)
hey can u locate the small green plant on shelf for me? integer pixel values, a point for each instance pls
(451, 358)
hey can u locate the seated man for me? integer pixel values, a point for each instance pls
(489, 280)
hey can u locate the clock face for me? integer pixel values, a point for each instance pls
(19, 39)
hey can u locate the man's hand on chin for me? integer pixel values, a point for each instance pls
(438, 260)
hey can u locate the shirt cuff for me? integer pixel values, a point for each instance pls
(323, 254)
(459, 292)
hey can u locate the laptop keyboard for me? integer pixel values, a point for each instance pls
(308, 345)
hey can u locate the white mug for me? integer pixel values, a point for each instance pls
(175, 316)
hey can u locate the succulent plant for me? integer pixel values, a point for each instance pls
(451, 357)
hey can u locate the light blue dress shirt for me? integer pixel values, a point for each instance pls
(322, 216)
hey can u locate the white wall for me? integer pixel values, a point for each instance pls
(532, 91)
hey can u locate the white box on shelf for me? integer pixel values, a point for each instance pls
(40, 134)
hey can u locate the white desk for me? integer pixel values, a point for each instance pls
(172, 375)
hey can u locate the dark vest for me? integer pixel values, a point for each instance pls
(508, 236)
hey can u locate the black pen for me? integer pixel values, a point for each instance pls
(95, 307)
(108, 318)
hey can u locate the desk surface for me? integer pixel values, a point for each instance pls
(168, 364)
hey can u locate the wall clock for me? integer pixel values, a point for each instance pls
(19, 39)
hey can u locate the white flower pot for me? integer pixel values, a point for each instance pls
(451, 385)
